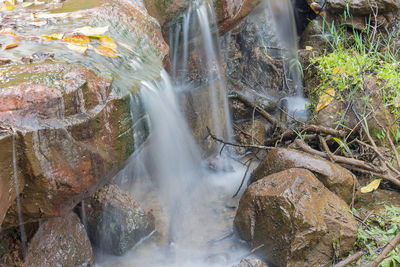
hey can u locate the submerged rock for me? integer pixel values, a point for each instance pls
(60, 241)
(115, 221)
(295, 219)
(336, 178)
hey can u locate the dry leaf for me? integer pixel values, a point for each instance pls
(26, 4)
(337, 70)
(53, 36)
(89, 31)
(105, 51)
(372, 186)
(9, 46)
(77, 39)
(8, 31)
(6, 6)
(78, 48)
(325, 99)
(106, 41)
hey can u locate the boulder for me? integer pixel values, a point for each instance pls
(296, 219)
(68, 132)
(336, 178)
(251, 262)
(115, 221)
(70, 126)
(60, 241)
(362, 7)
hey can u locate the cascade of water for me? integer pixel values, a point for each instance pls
(195, 38)
(282, 15)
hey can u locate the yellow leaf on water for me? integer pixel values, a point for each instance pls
(9, 31)
(325, 99)
(12, 45)
(26, 4)
(372, 186)
(106, 41)
(105, 51)
(6, 6)
(77, 40)
(90, 31)
(78, 48)
(53, 36)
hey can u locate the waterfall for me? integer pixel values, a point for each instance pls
(194, 37)
(282, 16)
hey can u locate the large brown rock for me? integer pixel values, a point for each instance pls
(362, 7)
(73, 126)
(115, 221)
(72, 133)
(336, 178)
(60, 241)
(296, 219)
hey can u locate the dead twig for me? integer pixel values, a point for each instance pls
(261, 111)
(392, 245)
(236, 145)
(339, 159)
(349, 260)
(243, 179)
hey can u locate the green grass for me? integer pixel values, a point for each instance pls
(353, 57)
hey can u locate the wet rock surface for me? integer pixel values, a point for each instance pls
(363, 7)
(115, 221)
(251, 262)
(296, 219)
(71, 133)
(336, 178)
(60, 241)
(229, 13)
(70, 126)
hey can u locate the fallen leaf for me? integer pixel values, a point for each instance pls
(6, 6)
(309, 48)
(325, 99)
(53, 36)
(26, 4)
(78, 48)
(106, 41)
(77, 39)
(105, 51)
(9, 31)
(90, 31)
(9, 46)
(337, 70)
(372, 186)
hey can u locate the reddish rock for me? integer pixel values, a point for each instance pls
(60, 241)
(362, 7)
(296, 219)
(336, 178)
(73, 133)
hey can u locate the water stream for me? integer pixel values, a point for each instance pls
(283, 20)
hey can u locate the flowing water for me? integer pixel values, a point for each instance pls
(282, 16)
(194, 38)
(193, 206)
